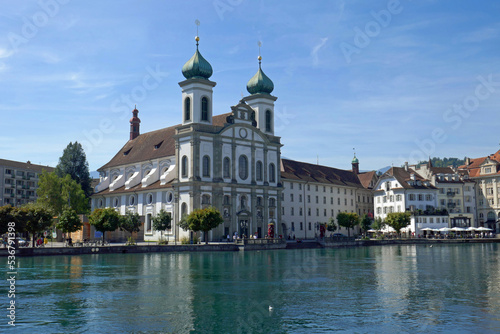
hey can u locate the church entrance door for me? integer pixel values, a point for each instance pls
(244, 228)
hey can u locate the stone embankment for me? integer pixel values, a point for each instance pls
(240, 245)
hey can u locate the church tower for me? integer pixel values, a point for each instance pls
(134, 124)
(261, 100)
(197, 90)
(355, 165)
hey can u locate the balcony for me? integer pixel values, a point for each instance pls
(450, 194)
(451, 205)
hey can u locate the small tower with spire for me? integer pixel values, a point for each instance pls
(355, 164)
(197, 90)
(261, 100)
(134, 124)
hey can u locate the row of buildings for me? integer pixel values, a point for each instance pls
(232, 161)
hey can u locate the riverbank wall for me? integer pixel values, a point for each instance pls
(233, 247)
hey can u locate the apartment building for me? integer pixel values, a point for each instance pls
(19, 181)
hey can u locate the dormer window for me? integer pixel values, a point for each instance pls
(487, 170)
(157, 146)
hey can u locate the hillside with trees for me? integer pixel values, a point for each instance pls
(444, 162)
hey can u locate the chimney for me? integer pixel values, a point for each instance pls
(134, 124)
(406, 165)
(467, 161)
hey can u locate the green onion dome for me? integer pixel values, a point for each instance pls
(197, 66)
(260, 83)
(355, 160)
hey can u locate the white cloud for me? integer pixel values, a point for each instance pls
(5, 53)
(315, 50)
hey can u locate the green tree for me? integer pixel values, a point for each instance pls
(7, 213)
(378, 224)
(331, 226)
(69, 221)
(348, 220)
(203, 220)
(130, 222)
(365, 223)
(162, 222)
(73, 162)
(104, 220)
(35, 218)
(57, 193)
(398, 220)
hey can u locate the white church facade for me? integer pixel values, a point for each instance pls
(229, 161)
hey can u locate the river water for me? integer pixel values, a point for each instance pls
(386, 289)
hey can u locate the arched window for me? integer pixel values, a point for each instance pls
(183, 209)
(227, 200)
(187, 109)
(205, 199)
(206, 166)
(184, 166)
(204, 109)
(243, 201)
(268, 120)
(227, 168)
(243, 167)
(272, 202)
(258, 171)
(272, 173)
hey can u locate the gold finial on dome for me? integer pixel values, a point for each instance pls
(197, 38)
(259, 43)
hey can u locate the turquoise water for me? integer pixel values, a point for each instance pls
(389, 289)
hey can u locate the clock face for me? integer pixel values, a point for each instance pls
(243, 133)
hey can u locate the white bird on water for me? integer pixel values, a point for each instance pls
(270, 308)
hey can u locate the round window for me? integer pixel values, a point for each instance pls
(115, 202)
(131, 200)
(150, 198)
(170, 197)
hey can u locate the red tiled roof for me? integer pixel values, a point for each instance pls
(152, 145)
(302, 171)
(474, 166)
(404, 177)
(366, 178)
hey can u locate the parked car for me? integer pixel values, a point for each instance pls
(338, 235)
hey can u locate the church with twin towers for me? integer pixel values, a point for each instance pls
(230, 161)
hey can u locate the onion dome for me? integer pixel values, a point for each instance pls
(197, 66)
(260, 83)
(355, 160)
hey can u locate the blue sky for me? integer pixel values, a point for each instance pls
(397, 80)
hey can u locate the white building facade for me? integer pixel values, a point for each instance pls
(313, 194)
(229, 161)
